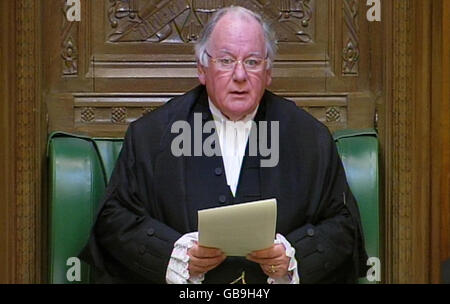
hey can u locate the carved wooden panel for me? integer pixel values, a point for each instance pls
(181, 21)
(114, 108)
(350, 53)
(69, 45)
(27, 145)
(402, 179)
(100, 110)
(153, 39)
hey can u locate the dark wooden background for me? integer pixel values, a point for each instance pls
(127, 57)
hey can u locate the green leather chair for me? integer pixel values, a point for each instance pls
(80, 167)
(358, 150)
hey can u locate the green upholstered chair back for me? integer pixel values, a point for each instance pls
(358, 150)
(80, 167)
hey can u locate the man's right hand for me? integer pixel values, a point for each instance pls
(203, 259)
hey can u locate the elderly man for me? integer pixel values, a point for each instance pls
(146, 227)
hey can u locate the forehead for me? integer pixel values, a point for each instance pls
(238, 33)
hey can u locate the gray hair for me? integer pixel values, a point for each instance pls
(269, 35)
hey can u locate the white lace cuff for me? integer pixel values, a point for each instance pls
(292, 276)
(177, 270)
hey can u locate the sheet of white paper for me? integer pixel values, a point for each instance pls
(239, 229)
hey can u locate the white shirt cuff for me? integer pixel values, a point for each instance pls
(177, 270)
(292, 276)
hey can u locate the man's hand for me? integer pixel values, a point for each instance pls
(273, 260)
(203, 259)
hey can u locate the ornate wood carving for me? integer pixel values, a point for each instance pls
(87, 114)
(146, 110)
(155, 22)
(331, 110)
(7, 140)
(118, 115)
(350, 38)
(69, 41)
(28, 172)
(111, 109)
(114, 109)
(127, 43)
(179, 21)
(402, 182)
(410, 149)
(333, 114)
(297, 14)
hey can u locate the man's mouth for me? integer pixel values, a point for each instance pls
(239, 93)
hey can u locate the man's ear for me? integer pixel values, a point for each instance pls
(201, 74)
(268, 77)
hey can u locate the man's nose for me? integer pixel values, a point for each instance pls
(239, 73)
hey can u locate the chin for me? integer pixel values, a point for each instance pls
(239, 105)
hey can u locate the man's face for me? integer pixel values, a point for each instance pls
(235, 92)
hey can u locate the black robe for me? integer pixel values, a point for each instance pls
(150, 201)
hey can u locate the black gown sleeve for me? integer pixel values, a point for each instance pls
(330, 248)
(126, 241)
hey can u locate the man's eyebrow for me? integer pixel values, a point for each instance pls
(256, 53)
(225, 51)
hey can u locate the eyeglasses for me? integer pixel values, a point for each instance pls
(228, 63)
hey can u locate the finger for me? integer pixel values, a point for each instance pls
(206, 262)
(196, 270)
(205, 252)
(278, 271)
(263, 252)
(274, 268)
(275, 261)
(274, 251)
(267, 271)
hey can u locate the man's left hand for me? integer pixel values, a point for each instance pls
(273, 260)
